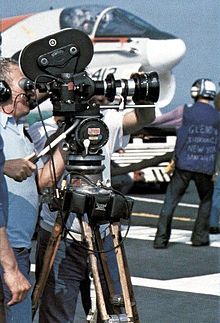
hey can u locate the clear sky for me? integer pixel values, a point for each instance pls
(197, 22)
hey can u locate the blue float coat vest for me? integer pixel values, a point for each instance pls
(197, 139)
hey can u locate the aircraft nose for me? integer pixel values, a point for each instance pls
(164, 54)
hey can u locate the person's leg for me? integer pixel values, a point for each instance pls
(204, 185)
(59, 299)
(112, 262)
(175, 190)
(215, 208)
(21, 312)
(85, 294)
(122, 183)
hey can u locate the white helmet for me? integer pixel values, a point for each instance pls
(203, 88)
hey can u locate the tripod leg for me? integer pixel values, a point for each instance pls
(87, 232)
(122, 272)
(49, 256)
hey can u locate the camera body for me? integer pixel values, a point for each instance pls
(58, 68)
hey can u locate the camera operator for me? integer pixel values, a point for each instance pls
(21, 176)
(70, 268)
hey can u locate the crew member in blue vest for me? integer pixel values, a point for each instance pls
(195, 157)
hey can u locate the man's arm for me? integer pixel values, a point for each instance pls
(46, 176)
(16, 282)
(170, 119)
(137, 119)
(144, 115)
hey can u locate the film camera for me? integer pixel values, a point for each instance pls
(57, 67)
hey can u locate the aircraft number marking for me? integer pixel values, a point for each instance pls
(102, 73)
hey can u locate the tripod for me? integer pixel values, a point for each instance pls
(110, 306)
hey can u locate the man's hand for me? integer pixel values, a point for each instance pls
(17, 284)
(214, 177)
(13, 278)
(169, 169)
(19, 169)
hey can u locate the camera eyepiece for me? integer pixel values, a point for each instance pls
(26, 84)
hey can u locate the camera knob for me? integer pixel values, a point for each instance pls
(65, 146)
(73, 50)
(44, 61)
(86, 143)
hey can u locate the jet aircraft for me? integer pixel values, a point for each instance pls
(123, 43)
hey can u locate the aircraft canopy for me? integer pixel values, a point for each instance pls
(99, 21)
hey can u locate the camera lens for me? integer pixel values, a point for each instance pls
(142, 87)
(147, 87)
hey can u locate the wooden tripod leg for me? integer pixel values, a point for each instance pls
(87, 232)
(123, 279)
(48, 260)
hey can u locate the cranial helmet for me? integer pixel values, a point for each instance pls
(203, 88)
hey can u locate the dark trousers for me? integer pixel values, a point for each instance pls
(2, 309)
(68, 276)
(175, 190)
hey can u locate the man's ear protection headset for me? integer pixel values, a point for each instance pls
(203, 88)
(5, 91)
